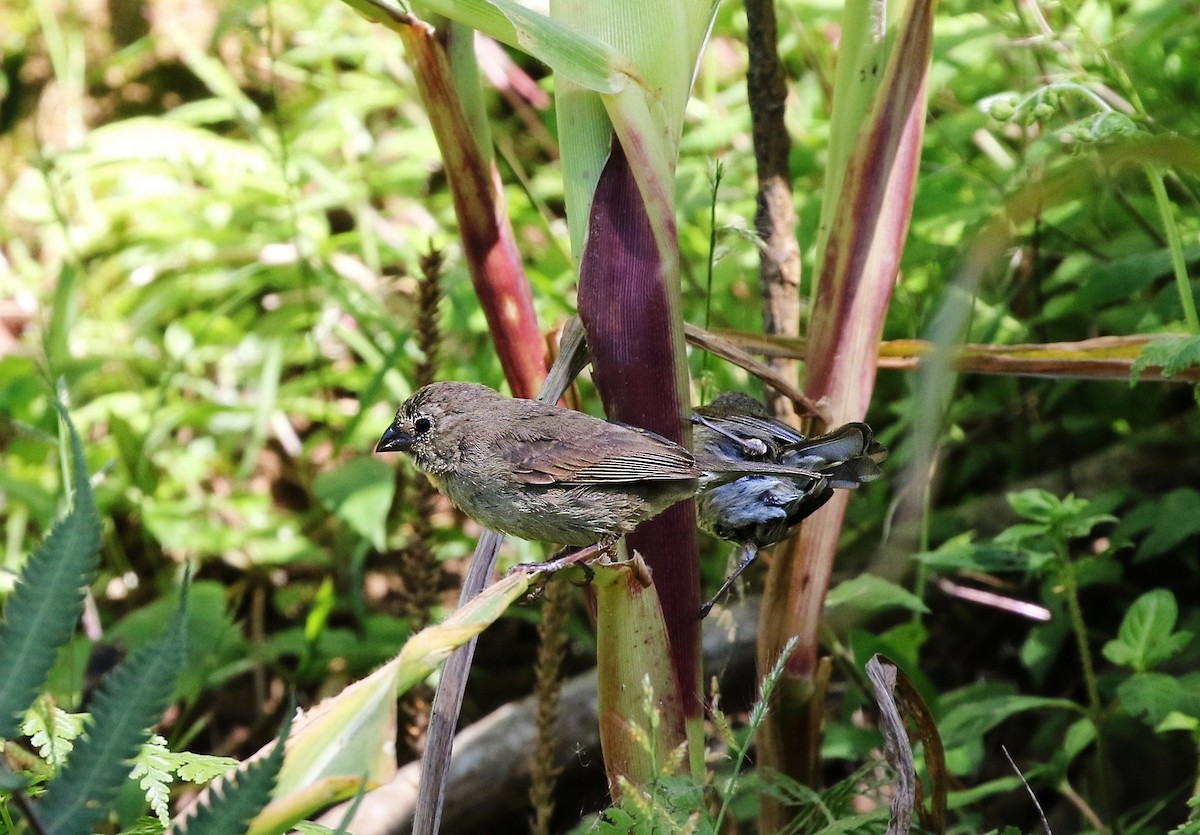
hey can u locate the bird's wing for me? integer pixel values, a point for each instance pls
(603, 453)
(754, 426)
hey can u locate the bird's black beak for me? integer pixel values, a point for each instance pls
(395, 439)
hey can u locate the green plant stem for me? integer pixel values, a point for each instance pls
(922, 572)
(757, 714)
(1066, 87)
(1080, 629)
(1175, 245)
(1095, 707)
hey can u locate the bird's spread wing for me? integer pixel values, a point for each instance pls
(604, 454)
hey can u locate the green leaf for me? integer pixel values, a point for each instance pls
(229, 804)
(133, 698)
(1035, 505)
(1149, 696)
(1080, 735)
(310, 828)
(199, 768)
(1192, 825)
(1176, 518)
(1172, 353)
(974, 717)
(1002, 554)
(1145, 638)
(1021, 533)
(48, 600)
(52, 730)
(359, 493)
(152, 769)
(216, 646)
(1066, 518)
(868, 592)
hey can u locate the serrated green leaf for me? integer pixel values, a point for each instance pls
(132, 698)
(229, 804)
(1176, 518)
(152, 770)
(52, 730)
(199, 768)
(1149, 696)
(47, 602)
(1035, 505)
(1172, 353)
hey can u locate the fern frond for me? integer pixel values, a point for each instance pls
(52, 730)
(48, 600)
(152, 770)
(229, 804)
(132, 699)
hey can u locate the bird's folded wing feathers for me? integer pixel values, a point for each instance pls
(759, 427)
(611, 455)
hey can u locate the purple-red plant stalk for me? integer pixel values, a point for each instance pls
(488, 242)
(854, 289)
(630, 311)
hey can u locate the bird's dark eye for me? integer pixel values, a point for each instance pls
(422, 425)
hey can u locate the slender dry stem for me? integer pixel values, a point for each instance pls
(775, 217)
(418, 566)
(548, 687)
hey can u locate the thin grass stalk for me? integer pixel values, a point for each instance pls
(852, 292)
(416, 563)
(552, 646)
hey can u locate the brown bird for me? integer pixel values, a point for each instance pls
(545, 473)
(539, 471)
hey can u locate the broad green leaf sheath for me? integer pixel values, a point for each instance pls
(854, 287)
(638, 735)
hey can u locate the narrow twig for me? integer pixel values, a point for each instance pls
(1032, 796)
(1076, 800)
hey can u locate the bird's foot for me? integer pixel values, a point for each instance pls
(748, 556)
(566, 558)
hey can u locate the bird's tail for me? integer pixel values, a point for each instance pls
(847, 457)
